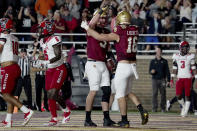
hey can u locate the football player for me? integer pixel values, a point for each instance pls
(10, 72)
(96, 70)
(56, 72)
(183, 62)
(125, 37)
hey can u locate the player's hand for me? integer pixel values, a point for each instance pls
(84, 24)
(171, 83)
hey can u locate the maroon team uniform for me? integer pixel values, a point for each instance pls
(96, 50)
(126, 48)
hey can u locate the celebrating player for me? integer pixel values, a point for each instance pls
(125, 37)
(10, 72)
(183, 62)
(56, 72)
(96, 70)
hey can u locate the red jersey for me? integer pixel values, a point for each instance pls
(97, 49)
(126, 48)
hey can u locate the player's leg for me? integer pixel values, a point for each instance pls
(179, 90)
(187, 85)
(123, 72)
(144, 114)
(94, 78)
(106, 89)
(8, 83)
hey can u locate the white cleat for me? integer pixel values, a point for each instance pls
(5, 124)
(167, 105)
(66, 117)
(183, 111)
(27, 117)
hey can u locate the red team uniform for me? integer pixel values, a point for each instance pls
(11, 73)
(56, 72)
(184, 74)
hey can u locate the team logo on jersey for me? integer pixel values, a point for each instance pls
(115, 29)
(103, 44)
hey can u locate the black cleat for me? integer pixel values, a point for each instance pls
(124, 124)
(109, 122)
(144, 117)
(89, 123)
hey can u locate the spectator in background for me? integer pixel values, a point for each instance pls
(11, 13)
(185, 12)
(60, 24)
(25, 80)
(71, 22)
(136, 20)
(26, 19)
(42, 6)
(194, 14)
(50, 15)
(35, 27)
(74, 8)
(168, 28)
(154, 27)
(160, 73)
(112, 17)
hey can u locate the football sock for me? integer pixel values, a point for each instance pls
(88, 115)
(140, 108)
(124, 118)
(52, 106)
(106, 114)
(8, 117)
(24, 109)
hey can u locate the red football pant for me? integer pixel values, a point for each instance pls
(10, 75)
(183, 83)
(54, 79)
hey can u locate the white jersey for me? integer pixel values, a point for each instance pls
(184, 64)
(10, 48)
(49, 50)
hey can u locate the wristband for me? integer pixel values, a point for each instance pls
(172, 75)
(195, 76)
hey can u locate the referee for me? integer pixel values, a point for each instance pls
(25, 80)
(40, 69)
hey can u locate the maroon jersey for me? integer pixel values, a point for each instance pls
(126, 48)
(97, 49)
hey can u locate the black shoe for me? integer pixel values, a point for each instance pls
(109, 122)
(144, 117)
(124, 124)
(89, 123)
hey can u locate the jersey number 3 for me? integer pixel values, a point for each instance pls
(132, 44)
(182, 64)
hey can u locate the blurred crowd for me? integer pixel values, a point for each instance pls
(152, 16)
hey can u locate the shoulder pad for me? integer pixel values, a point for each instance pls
(55, 40)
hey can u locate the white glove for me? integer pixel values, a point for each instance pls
(84, 24)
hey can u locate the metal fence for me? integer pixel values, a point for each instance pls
(189, 33)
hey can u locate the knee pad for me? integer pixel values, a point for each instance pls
(106, 93)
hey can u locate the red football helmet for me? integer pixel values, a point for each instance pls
(47, 27)
(184, 47)
(5, 24)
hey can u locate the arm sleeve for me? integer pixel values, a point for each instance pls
(56, 40)
(2, 41)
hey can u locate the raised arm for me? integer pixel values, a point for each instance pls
(100, 37)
